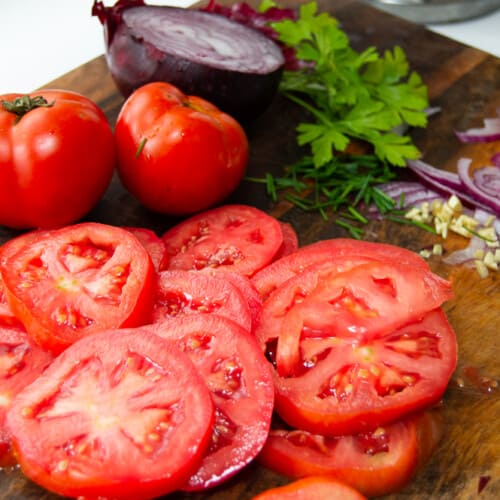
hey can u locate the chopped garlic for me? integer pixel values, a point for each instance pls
(481, 268)
(447, 217)
(490, 262)
(437, 249)
(425, 253)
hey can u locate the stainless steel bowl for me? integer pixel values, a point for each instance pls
(436, 11)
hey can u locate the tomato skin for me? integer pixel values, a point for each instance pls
(178, 154)
(313, 487)
(55, 162)
(153, 244)
(119, 414)
(377, 463)
(82, 278)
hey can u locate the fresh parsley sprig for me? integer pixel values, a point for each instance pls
(351, 95)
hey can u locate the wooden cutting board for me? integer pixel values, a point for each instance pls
(465, 83)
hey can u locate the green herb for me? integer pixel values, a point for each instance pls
(350, 95)
(141, 147)
(344, 182)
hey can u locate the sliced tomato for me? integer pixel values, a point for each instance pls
(370, 299)
(343, 253)
(119, 414)
(376, 463)
(21, 362)
(67, 283)
(7, 317)
(190, 292)
(246, 288)
(153, 244)
(351, 384)
(309, 488)
(290, 241)
(240, 380)
(238, 238)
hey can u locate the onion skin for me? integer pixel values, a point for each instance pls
(134, 60)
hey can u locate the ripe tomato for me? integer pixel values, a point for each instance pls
(376, 463)
(21, 362)
(57, 157)
(178, 154)
(119, 414)
(235, 370)
(237, 238)
(313, 487)
(189, 292)
(66, 283)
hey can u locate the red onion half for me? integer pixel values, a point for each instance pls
(235, 67)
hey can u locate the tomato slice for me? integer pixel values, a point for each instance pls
(376, 463)
(190, 292)
(343, 253)
(67, 283)
(354, 384)
(153, 244)
(240, 380)
(119, 414)
(21, 362)
(290, 241)
(369, 299)
(313, 487)
(238, 238)
(7, 317)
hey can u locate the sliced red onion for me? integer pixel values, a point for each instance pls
(441, 178)
(411, 193)
(466, 254)
(477, 191)
(445, 182)
(488, 180)
(495, 159)
(235, 67)
(489, 132)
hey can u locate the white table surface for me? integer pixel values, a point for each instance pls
(43, 39)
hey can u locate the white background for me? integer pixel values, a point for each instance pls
(43, 39)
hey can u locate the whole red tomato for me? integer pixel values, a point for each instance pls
(57, 158)
(178, 154)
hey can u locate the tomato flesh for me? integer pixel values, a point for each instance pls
(376, 463)
(67, 283)
(240, 380)
(237, 238)
(186, 292)
(120, 414)
(21, 362)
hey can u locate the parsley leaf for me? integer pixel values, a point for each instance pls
(352, 95)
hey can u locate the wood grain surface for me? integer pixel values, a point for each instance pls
(465, 83)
